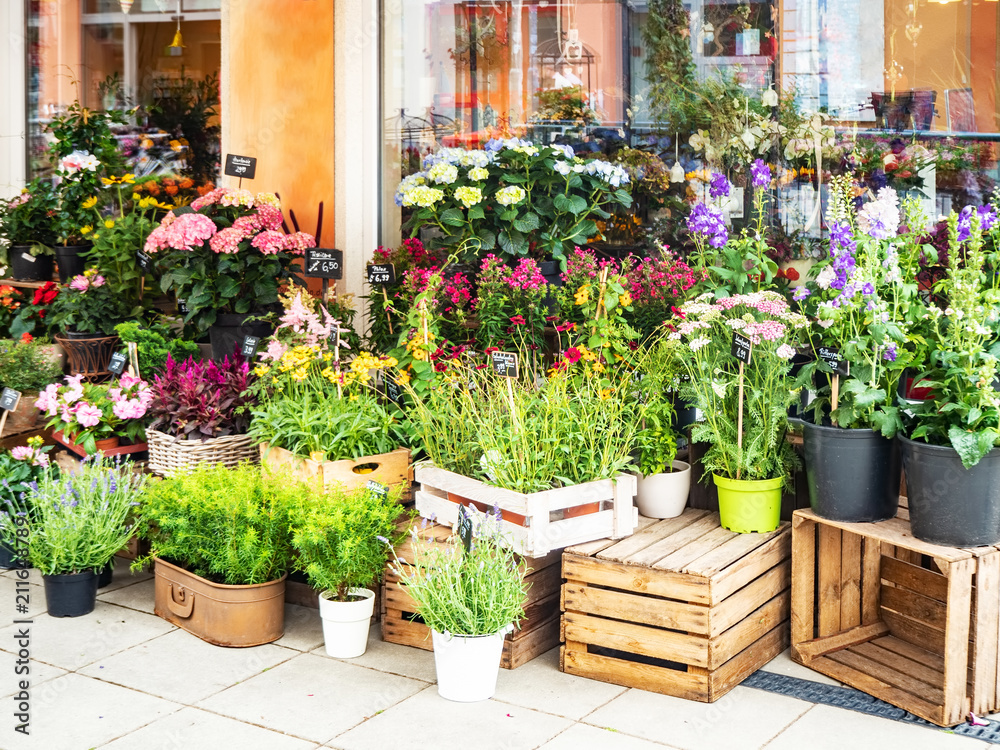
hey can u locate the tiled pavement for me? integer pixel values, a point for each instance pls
(122, 678)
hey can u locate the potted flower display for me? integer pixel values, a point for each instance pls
(32, 317)
(222, 545)
(342, 541)
(745, 407)
(86, 312)
(949, 451)
(470, 593)
(199, 412)
(319, 415)
(226, 257)
(92, 417)
(75, 525)
(27, 366)
(19, 468)
(859, 301)
(26, 232)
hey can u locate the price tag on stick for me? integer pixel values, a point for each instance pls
(836, 362)
(505, 364)
(144, 261)
(323, 263)
(249, 347)
(464, 527)
(376, 488)
(392, 390)
(118, 363)
(9, 399)
(241, 166)
(742, 349)
(381, 274)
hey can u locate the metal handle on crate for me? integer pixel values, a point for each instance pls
(181, 603)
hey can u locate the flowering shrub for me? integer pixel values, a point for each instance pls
(27, 365)
(199, 399)
(510, 306)
(512, 194)
(26, 219)
(88, 412)
(702, 341)
(225, 253)
(656, 286)
(11, 300)
(31, 318)
(87, 304)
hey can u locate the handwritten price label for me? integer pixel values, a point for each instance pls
(381, 274)
(324, 263)
(742, 348)
(241, 166)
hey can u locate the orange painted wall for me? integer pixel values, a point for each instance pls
(280, 103)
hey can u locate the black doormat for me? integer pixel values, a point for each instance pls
(855, 700)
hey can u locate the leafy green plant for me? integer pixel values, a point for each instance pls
(77, 522)
(88, 412)
(19, 467)
(475, 592)
(656, 441)
(27, 365)
(344, 538)
(154, 346)
(232, 526)
(88, 304)
(26, 219)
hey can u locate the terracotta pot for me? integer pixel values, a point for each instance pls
(581, 510)
(218, 613)
(107, 444)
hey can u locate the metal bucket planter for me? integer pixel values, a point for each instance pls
(218, 613)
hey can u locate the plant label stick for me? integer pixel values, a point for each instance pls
(9, 399)
(133, 358)
(377, 488)
(117, 364)
(388, 311)
(249, 348)
(463, 526)
(742, 350)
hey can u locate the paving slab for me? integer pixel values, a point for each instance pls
(139, 596)
(783, 664)
(393, 658)
(303, 628)
(582, 736)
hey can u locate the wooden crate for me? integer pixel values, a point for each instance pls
(911, 623)
(534, 524)
(683, 607)
(538, 632)
(392, 468)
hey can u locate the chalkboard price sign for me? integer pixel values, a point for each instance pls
(464, 527)
(249, 347)
(392, 390)
(182, 307)
(323, 263)
(381, 274)
(145, 262)
(505, 363)
(834, 360)
(9, 399)
(742, 348)
(117, 363)
(244, 167)
(376, 488)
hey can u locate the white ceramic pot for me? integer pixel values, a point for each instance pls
(467, 665)
(664, 495)
(345, 624)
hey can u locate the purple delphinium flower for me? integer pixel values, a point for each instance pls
(720, 186)
(801, 293)
(890, 353)
(842, 249)
(760, 173)
(708, 223)
(987, 218)
(879, 219)
(868, 288)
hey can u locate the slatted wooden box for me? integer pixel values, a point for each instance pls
(911, 623)
(537, 523)
(683, 607)
(538, 632)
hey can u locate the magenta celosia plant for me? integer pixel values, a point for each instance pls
(201, 399)
(226, 253)
(88, 412)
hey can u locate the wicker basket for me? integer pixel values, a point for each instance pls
(167, 454)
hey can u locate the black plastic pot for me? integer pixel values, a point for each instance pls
(106, 575)
(229, 331)
(27, 267)
(8, 559)
(69, 261)
(71, 594)
(950, 504)
(852, 475)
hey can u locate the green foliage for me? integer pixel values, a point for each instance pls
(479, 592)
(656, 441)
(311, 421)
(78, 522)
(27, 366)
(344, 538)
(670, 67)
(17, 474)
(188, 110)
(154, 346)
(96, 309)
(232, 526)
(26, 219)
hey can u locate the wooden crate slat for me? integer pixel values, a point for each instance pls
(871, 582)
(635, 638)
(850, 580)
(533, 644)
(647, 610)
(660, 549)
(915, 669)
(750, 629)
(911, 604)
(803, 617)
(873, 686)
(587, 549)
(737, 669)
(733, 551)
(471, 488)
(747, 599)
(890, 675)
(635, 578)
(914, 632)
(827, 644)
(622, 550)
(914, 653)
(828, 579)
(632, 674)
(760, 560)
(909, 576)
(682, 558)
(956, 653)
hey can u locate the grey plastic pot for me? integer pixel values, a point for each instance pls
(949, 504)
(853, 475)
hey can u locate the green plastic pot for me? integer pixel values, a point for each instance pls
(749, 506)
